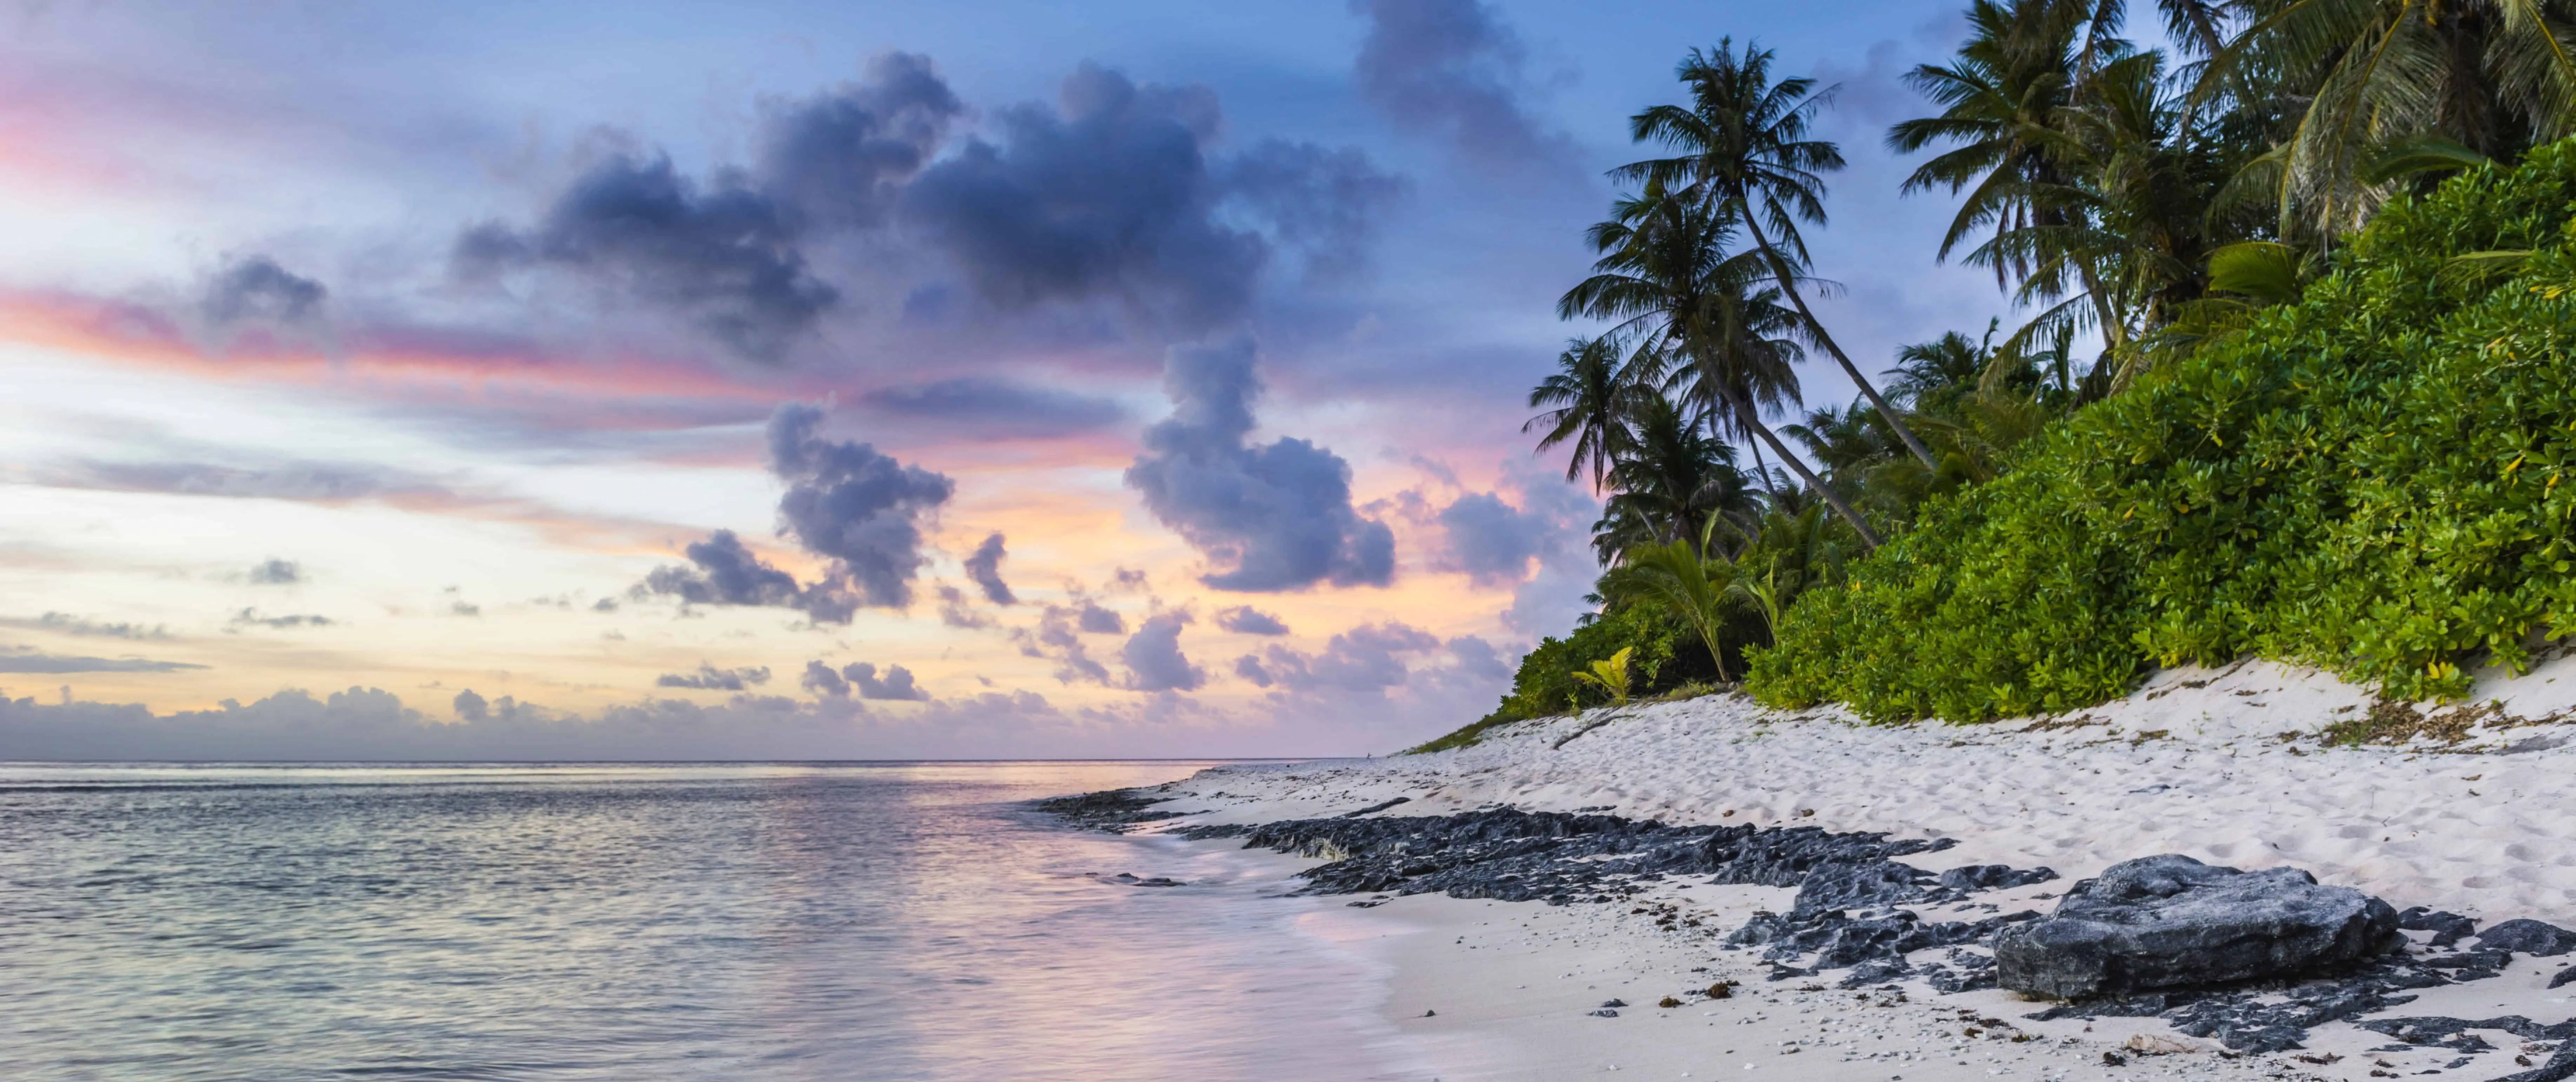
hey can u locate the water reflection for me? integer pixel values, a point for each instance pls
(876, 921)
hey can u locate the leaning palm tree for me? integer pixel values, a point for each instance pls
(1665, 269)
(1590, 398)
(1742, 147)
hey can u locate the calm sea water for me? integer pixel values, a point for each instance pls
(844, 922)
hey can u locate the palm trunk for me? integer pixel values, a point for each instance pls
(1767, 484)
(1788, 284)
(1744, 411)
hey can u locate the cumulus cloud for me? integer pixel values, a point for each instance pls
(1154, 659)
(1095, 620)
(276, 572)
(1491, 541)
(1057, 637)
(1367, 659)
(1246, 620)
(253, 618)
(847, 501)
(710, 678)
(954, 612)
(24, 659)
(472, 707)
(726, 254)
(1106, 195)
(842, 156)
(828, 683)
(1273, 517)
(255, 288)
(984, 568)
(1450, 68)
(724, 571)
(1323, 202)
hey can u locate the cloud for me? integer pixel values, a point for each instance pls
(1056, 637)
(826, 683)
(1323, 202)
(1154, 659)
(1450, 68)
(276, 572)
(1492, 541)
(850, 503)
(1094, 620)
(22, 659)
(724, 571)
(1106, 195)
(995, 409)
(64, 623)
(725, 254)
(1274, 517)
(710, 678)
(472, 707)
(842, 157)
(984, 567)
(255, 288)
(1368, 659)
(954, 613)
(252, 618)
(1246, 620)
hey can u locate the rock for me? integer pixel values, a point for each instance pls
(2447, 928)
(2560, 1068)
(2528, 937)
(1614, 1003)
(2565, 977)
(1605, 1012)
(2173, 922)
(1980, 877)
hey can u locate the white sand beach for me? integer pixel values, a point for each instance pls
(2223, 766)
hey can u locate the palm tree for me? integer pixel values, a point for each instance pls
(1690, 585)
(1665, 265)
(1743, 148)
(2378, 84)
(1590, 396)
(1673, 477)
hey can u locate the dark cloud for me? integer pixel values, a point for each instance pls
(726, 254)
(64, 623)
(726, 572)
(255, 288)
(897, 684)
(1154, 659)
(1094, 620)
(1451, 68)
(252, 618)
(995, 409)
(1246, 620)
(984, 567)
(1127, 578)
(843, 156)
(850, 503)
(472, 707)
(276, 572)
(710, 678)
(1492, 541)
(307, 482)
(1368, 659)
(1274, 517)
(1323, 202)
(1106, 195)
(22, 659)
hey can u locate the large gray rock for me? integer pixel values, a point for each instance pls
(2173, 922)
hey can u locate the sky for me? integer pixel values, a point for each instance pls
(669, 380)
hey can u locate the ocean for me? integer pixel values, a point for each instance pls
(740, 922)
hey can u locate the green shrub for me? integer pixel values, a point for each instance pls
(2372, 480)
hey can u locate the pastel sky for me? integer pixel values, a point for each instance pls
(889, 380)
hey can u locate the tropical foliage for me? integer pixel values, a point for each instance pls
(2286, 380)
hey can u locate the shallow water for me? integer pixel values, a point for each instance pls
(871, 921)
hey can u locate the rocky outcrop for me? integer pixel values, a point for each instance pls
(2172, 922)
(2528, 937)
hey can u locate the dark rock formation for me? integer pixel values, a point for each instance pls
(2172, 922)
(2528, 937)
(1116, 810)
(2447, 928)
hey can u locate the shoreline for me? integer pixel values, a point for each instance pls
(2228, 767)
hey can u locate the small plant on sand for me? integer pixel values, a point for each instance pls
(1609, 674)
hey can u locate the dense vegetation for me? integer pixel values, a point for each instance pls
(2291, 381)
